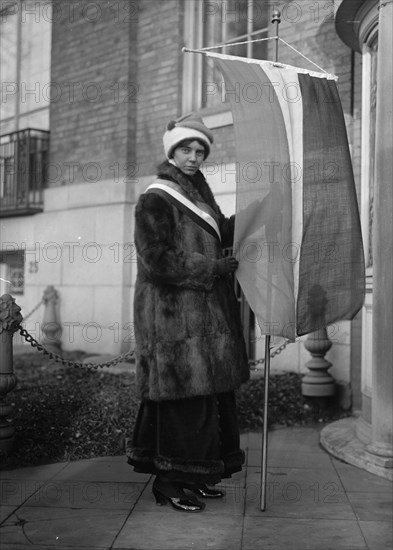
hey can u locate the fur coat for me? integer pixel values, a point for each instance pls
(189, 340)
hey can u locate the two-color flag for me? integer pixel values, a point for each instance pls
(297, 232)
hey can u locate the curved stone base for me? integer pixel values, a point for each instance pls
(339, 439)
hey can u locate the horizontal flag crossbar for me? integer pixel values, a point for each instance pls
(206, 51)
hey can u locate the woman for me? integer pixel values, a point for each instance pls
(190, 350)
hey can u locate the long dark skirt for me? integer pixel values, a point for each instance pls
(193, 440)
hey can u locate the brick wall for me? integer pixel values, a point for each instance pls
(224, 149)
(93, 101)
(159, 77)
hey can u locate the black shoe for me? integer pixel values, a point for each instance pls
(166, 492)
(204, 491)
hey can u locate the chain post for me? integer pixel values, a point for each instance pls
(10, 319)
(318, 382)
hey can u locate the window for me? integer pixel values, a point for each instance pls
(12, 268)
(6, 175)
(25, 45)
(23, 161)
(220, 22)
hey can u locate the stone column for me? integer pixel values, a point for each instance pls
(382, 410)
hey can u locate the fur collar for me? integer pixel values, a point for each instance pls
(196, 187)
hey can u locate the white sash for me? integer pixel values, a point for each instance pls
(190, 205)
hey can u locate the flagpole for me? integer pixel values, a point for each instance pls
(276, 18)
(265, 411)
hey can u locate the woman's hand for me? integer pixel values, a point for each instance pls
(226, 265)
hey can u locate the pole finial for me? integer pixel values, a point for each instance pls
(276, 16)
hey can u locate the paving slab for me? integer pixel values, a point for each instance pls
(172, 530)
(372, 506)
(44, 472)
(322, 484)
(16, 486)
(378, 534)
(5, 511)
(298, 493)
(62, 526)
(295, 458)
(15, 492)
(120, 458)
(44, 546)
(100, 471)
(295, 504)
(301, 534)
(86, 494)
(355, 478)
(301, 439)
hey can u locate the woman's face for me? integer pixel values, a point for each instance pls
(188, 158)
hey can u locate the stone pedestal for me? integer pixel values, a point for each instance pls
(318, 382)
(10, 319)
(51, 327)
(340, 440)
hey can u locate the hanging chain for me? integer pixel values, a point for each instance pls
(124, 357)
(33, 310)
(253, 363)
(92, 366)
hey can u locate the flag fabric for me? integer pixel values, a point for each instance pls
(297, 231)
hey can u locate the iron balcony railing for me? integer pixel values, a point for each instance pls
(23, 163)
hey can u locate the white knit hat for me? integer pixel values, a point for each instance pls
(188, 126)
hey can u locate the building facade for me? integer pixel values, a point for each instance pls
(87, 91)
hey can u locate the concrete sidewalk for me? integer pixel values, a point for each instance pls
(314, 502)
